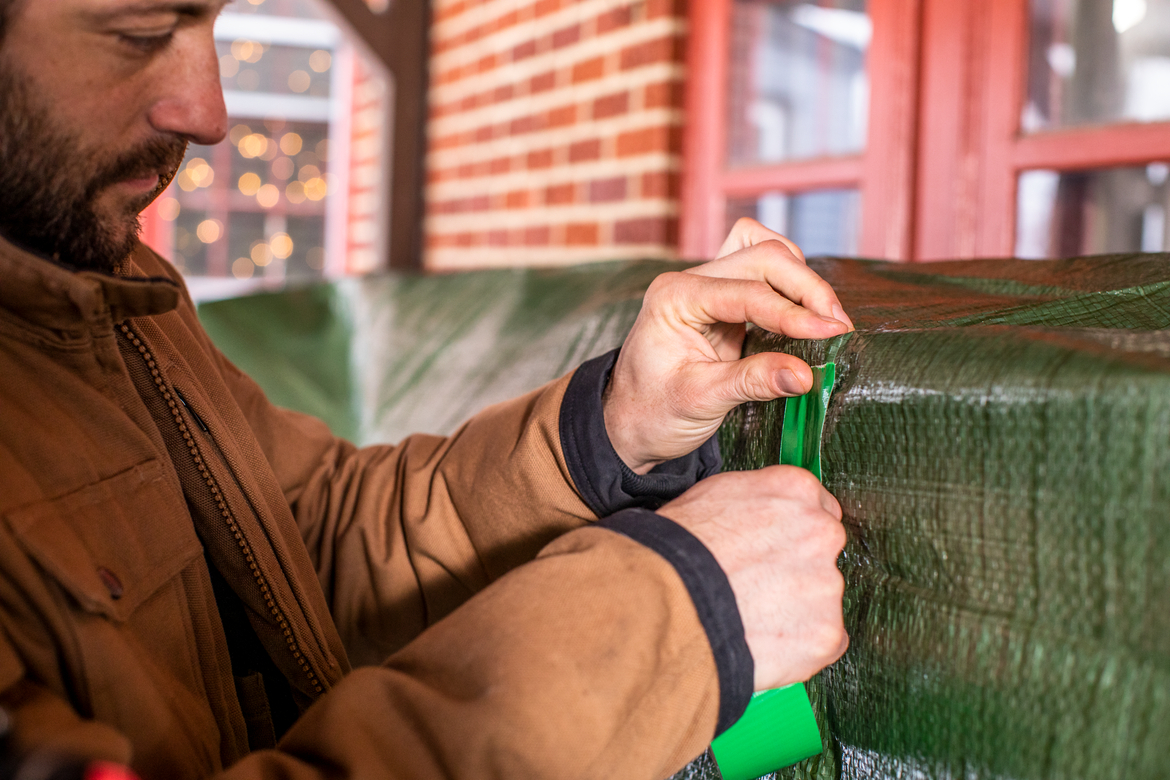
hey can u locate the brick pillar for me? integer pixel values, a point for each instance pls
(554, 131)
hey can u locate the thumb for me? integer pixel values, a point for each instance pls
(762, 377)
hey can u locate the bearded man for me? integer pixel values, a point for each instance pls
(193, 581)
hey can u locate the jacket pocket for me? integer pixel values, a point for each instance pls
(111, 544)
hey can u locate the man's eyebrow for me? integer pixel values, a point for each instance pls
(188, 8)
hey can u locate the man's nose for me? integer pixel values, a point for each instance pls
(192, 105)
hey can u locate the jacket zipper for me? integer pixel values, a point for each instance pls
(174, 401)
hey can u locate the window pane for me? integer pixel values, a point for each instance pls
(1093, 212)
(295, 191)
(1093, 61)
(797, 79)
(822, 222)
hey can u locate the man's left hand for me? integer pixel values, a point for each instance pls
(680, 371)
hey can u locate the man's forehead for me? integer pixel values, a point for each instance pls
(113, 9)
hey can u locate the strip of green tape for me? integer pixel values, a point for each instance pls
(778, 728)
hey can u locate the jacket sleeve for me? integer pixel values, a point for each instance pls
(589, 662)
(402, 535)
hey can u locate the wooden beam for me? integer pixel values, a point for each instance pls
(400, 38)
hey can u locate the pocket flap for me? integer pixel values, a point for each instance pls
(111, 544)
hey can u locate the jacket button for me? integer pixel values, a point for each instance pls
(111, 581)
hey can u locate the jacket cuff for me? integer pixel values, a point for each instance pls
(605, 482)
(714, 600)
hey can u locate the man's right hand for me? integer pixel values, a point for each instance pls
(777, 533)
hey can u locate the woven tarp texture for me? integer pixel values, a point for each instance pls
(999, 440)
(384, 356)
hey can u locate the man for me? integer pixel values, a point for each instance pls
(193, 581)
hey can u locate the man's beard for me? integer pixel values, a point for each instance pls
(49, 183)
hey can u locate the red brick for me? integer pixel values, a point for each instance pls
(660, 184)
(517, 199)
(606, 190)
(585, 150)
(486, 63)
(611, 105)
(647, 140)
(559, 194)
(581, 234)
(537, 236)
(566, 36)
(464, 239)
(506, 21)
(668, 94)
(524, 51)
(543, 82)
(498, 238)
(546, 7)
(668, 49)
(500, 165)
(525, 124)
(588, 70)
(646, 230)
(503, 93)
(542, 158)
(560, 117)
(485, 133)
(613, 19)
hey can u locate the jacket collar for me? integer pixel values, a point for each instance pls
(54, 296)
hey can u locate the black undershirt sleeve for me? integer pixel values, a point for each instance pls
(625, 500)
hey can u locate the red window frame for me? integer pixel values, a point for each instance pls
(944, 153)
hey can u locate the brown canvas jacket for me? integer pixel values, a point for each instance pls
(587, 657)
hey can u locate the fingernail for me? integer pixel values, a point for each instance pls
(840, 314)
(791, 383)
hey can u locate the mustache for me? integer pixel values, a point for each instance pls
(159, 156)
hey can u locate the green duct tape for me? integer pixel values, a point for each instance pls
(778, 728)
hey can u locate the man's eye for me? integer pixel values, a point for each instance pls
(148, 43)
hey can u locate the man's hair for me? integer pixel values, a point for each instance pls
(4, 6)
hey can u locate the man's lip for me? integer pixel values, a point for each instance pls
(144, 184)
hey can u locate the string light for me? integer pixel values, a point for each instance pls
(299, 81)
(209, 231)
(291, 143)
(320, 60)
(268, 196)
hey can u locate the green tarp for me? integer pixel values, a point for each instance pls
(999, 439)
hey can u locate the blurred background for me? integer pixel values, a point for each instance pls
(459, 134)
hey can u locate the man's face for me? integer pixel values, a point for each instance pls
(100, 100)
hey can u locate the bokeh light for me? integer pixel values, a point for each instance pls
(320, 60)
(209, 231)
(261, 254)
(299, 81)
(252, 145)
(281, 245)
(282, 168)
(249, 184)
(295, 192)
(268, 196)
(291, 143)
(242, 268)
(168, 209)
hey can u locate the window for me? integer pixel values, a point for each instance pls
(296, 191)
(929, 129)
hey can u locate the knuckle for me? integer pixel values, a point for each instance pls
(662, 286)
(838, 537)
(743, 225)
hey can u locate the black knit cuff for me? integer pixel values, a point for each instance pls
(603, 479)
(714, 600)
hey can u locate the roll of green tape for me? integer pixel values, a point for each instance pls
(778, 728)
